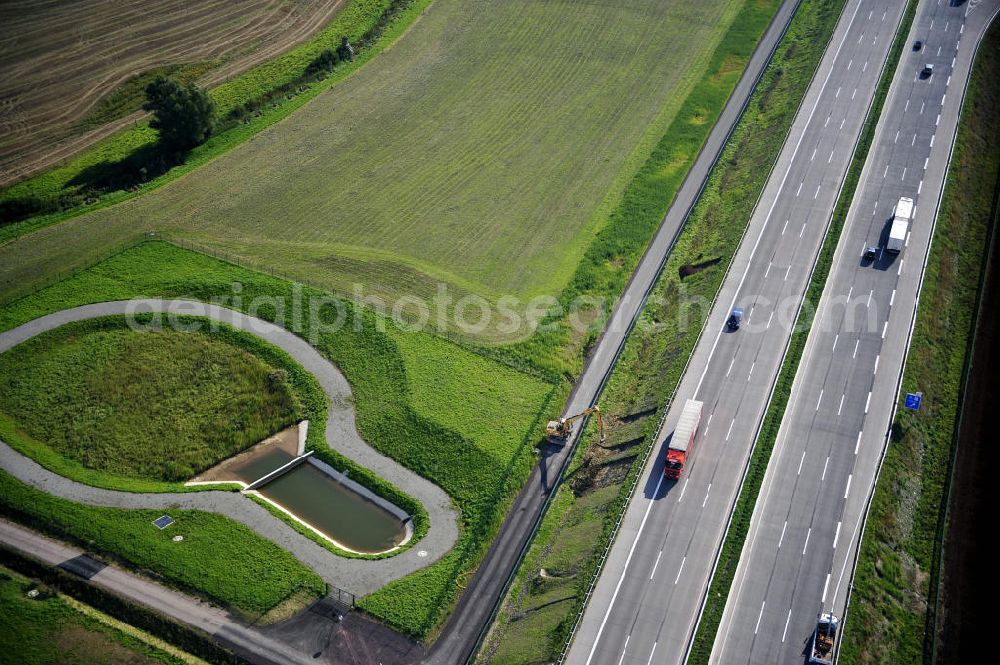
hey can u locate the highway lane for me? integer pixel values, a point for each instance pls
(646, 603)
(804, 534)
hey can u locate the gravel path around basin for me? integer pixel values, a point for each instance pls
(359, 576)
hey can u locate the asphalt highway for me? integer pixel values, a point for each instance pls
(646, 604)
(803, 538)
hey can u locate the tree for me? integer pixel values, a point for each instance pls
(345, 51)
(183, 115)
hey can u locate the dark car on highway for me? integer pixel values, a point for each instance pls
(735, 319)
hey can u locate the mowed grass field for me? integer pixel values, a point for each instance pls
(483, 149)
(62, 61)
(149, 405)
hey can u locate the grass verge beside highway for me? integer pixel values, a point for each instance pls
(544, 601)
(732, 547)
(438, 434)
(898, 567)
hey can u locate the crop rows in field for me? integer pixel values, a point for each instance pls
(60, 59)
(479, 151)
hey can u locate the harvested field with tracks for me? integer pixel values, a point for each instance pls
(59, 60)
(482, 150)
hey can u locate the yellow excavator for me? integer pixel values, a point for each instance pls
(560, 430)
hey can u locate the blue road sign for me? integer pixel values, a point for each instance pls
(913, 401)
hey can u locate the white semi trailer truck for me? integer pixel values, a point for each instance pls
(901, 219)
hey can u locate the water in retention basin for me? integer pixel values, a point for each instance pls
(258, 461)
(257, 466)
(343, 515)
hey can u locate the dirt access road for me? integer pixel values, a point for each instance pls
(358, 576)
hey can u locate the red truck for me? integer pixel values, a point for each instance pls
(683, 439)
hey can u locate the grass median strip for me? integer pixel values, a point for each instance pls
(733, 544)
(898, 569)
(540, 610)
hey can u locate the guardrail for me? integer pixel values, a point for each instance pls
(784, 355)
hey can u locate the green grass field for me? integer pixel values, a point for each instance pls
(484, 149)
(149, 405)
(469, 393)
(48, 629)
(455, 157)
(472, 434)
